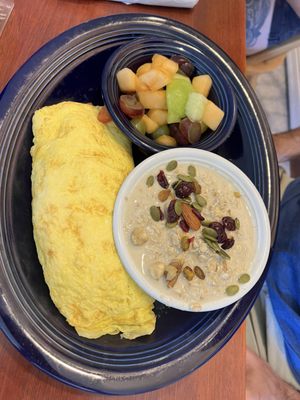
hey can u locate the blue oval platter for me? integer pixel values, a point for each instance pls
(69, 68)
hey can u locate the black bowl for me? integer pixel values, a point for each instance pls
(140, 51)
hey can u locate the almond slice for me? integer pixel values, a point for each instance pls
(190, 218)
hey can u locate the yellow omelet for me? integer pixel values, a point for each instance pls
(78, 166)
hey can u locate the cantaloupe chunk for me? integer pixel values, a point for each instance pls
(202, 84)
(143, 68)
(150, 125)
(126, 80)
(158, 60)
(164, 63)
(212, 115)
(159, 116)
(155, 79)
(140, 85)
(153, 99)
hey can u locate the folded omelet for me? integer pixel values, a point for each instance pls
(78, 166)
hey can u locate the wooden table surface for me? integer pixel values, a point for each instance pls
(33, 23)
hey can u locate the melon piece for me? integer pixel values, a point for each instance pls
(150, 125)
(159, 116)
(153, 99)
(166, 141)
(177, 93)
(139, 85)
(139, 124)
(126, 80)
(212, 115)
(155, 79)
(143, 68)
(180, 76)
(202, 84)
(160, 61)
(195, 106)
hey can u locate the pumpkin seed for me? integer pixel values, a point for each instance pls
(178, 208)
(150, 181)
(197, 187)
(188, 273)
(155, 213)
(237, 223)
(175, 184)
(197, 206)
(244, 278)
(232, 290)
(200, 200)
(209, 232)
(206, 222)
(184, 243)
(163, 195)
(211, 238)
(186, 200)
(171, 224)
(199, 272)
(223, 254)
(192, 171)
(211, 244)
(185, 178)
(171, 165)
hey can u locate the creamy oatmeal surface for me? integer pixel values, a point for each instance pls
(190, 231)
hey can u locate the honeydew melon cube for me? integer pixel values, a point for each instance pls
(177, 93)
(202, 84)
(195, 106)
(180, 76)
(212, 115)
(126, 79)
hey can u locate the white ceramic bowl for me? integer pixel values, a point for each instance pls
(243, 184)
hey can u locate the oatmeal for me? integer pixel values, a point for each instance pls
(190, 230)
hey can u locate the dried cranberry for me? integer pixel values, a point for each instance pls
(229, 223)
(161, 214)
(222, 237)
(217, 226)
(162, 180)
(228, 243)
(198, 214)
(171, 214)
(184, 189)
(184, 226)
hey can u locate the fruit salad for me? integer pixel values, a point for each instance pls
(166, 100)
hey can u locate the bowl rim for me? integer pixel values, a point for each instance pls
(117, 59)
(232, 173)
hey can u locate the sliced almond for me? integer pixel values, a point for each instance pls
(177, 264)
(190, 218)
